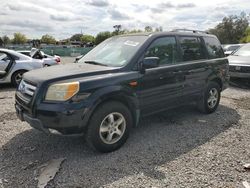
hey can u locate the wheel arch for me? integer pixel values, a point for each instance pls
(130, 101)
(218, 81)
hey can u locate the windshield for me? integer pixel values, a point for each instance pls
(115, 51)
(243, 51)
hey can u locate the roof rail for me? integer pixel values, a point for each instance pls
(189, 30)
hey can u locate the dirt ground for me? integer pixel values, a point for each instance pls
(176, 148)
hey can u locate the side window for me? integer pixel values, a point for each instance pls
(165, 49)
(213, 47)
(191, 49)
(4, 57)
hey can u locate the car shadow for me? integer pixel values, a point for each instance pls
(243, 83)
(157, 140)
(7, 87)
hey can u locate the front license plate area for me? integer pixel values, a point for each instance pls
(19, 113)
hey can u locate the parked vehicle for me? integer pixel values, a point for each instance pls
(230, 48)
(48, 60)
(13, 65)
(122, 79)
(239, 62)
(78, 58)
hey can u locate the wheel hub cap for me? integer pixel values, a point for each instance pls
(212, 98)
(112, 128)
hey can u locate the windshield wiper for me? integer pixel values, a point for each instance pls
(95, 63)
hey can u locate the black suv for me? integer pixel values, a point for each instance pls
(122, 79)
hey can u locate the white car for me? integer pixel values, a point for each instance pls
(230, 48)
(48, 60)
(13, 65)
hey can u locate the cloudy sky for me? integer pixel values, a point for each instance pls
(62, 18)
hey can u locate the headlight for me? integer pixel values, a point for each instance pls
(62, 92)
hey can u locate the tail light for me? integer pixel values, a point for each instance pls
(58, 60)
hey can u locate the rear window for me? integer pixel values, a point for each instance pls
(192, 49)
(213, 47)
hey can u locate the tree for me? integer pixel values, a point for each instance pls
(148, 29)
(6, 40)
(88, 38)
(117, 29)
(48, 39)
(19, 38)
(231, 29)
(159, 29)
(246, 36)
(76, 37)
(102, 36)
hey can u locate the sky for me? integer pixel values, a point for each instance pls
(63, 18)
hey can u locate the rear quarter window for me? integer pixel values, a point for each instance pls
(213, 47)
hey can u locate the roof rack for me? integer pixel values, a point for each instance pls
(189, 30)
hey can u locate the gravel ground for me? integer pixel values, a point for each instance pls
(176, 148)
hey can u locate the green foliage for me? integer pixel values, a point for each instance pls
(5, 40)
(117, 29)
(231, 29)
(87, 38)
(102, 36)
(158, 29)
(246, 36)
(76, 37)
(48, 39)
(19, 38)
(148, 29)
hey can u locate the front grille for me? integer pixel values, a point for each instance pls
(243, 69)
(26, 91)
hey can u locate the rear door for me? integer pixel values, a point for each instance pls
(161, 87)
(194, 66)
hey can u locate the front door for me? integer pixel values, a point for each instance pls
(161, 87)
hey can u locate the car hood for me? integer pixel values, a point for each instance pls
(241, 60)
(65, 72)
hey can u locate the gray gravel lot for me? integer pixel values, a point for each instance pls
(176, 148)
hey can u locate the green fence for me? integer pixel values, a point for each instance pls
(66, 51)
(61, 51)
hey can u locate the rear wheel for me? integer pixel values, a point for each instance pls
(17, 77)
(210, 99)
(109, 127)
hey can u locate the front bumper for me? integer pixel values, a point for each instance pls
(52, 118)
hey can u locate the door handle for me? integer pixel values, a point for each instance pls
(177, 72)
(196, 70)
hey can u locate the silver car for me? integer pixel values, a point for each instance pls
(13, 65)
(239, 62)
(48, 60)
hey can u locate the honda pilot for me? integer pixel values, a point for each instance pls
(122, 79)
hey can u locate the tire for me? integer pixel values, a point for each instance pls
(102, 134)
(210, 98)
(17, 77)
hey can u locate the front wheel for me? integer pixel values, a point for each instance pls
(109, 127)
(210, 99)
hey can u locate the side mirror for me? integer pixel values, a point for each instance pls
(2, 73)
(150, 62)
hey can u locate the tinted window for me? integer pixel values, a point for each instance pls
(164, 48)
(191, 48)
(213, 47)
